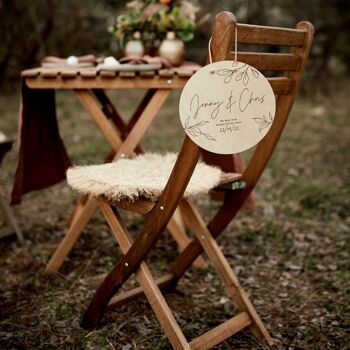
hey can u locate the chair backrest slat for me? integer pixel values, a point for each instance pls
(284, 103)
(268, 61)
(254, 34)
(282, 85)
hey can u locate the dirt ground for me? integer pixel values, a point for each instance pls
(292, 254)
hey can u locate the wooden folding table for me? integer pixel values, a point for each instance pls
(89, 86)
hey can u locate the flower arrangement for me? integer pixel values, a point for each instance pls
(154, 19)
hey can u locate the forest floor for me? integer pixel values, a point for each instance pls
(291, 254)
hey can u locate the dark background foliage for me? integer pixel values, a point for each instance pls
(31, 30)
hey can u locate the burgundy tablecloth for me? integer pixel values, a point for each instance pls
(42, 157)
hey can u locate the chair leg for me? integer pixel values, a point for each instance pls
(179, 219)
(177, 229)
(230, 207)
(72, 235)
(10, 219)
(196, 223)
(146, 280)
(151, 287)
(77, 210)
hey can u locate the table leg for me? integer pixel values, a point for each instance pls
(91, 106)
(121, 148)
(110, 112)
(72, 235)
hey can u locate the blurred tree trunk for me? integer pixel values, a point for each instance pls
(42, 35)
(256, 11)
(25, 27)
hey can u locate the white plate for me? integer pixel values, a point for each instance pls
(66, 65)
(130, 67)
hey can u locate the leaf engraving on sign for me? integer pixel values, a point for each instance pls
(244, 72)
(195, 129)
(263, 121)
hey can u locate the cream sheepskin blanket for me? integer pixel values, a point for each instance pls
(145, 175)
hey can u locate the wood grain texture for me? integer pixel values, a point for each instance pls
(110, 111)
(127, 75)
(143, 123)
(71, 236)
(282, 85)
(77, 210)
(133, 294)
(88, 73)
(221, 332)
(90, 104)
(254, 34)
(178, 230)
(49, 73)
(108, 74)
(166, 73)
(195, 222)
(148, 74)
(30, 73)
(140, 206)
(91, 80)
(140, 108)
(268, 61)
(222, 36)
(68, 73)
(279, 85)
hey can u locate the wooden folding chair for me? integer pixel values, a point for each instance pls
(158, 212)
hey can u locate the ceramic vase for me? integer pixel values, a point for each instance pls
(173, 49)
(134, 47)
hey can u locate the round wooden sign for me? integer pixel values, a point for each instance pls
(227, 107)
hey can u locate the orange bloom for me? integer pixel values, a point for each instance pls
(165, 1)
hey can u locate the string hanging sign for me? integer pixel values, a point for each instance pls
(227, 107)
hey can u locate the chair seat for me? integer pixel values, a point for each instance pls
(143, 176)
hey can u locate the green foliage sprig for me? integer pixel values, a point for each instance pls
(154, 19)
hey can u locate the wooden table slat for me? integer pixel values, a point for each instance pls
(91, 78)
(166, 73)
(107, 74)
(30, 73)
(148, 74)
(184, 73)
(88, 73)
(127, 74)
(69, 73)
(49, 73)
